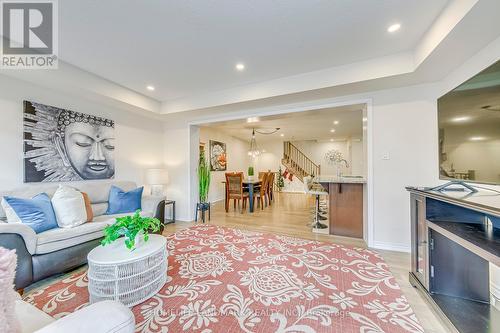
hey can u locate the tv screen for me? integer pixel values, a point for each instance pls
(469, 129)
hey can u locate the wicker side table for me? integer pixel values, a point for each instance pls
(130, 277)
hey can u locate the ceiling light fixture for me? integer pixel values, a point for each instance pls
(460, 119)
(336, 122)
(252, 120)
(150, 88)
(332, 130)
(477, 138)
(331, 140)
(394, 27)
(240, 66)
(282, 134)
(253, 151)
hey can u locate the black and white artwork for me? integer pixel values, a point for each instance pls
(62, 145)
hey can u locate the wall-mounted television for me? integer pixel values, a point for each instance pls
(469, 129)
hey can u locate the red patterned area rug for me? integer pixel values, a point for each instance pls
(230, 280)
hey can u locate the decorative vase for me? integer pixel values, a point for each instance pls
(138, 240)
(338, 170)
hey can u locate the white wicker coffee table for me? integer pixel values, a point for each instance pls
(130, 277)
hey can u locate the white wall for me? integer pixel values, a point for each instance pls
(237, 159)
(352, 150)
(139, 140)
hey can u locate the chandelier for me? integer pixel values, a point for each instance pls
(254, 150)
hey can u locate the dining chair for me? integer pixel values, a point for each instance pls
(261, 174)
(234, 190)
(270, 187)
(262, 192)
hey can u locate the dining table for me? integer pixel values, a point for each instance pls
(252, 184)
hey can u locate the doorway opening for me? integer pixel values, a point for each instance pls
(325, 142)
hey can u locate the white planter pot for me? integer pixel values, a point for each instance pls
(139, 240)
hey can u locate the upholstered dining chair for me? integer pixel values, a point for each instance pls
(234, 190)
(261, 174)
(261, 194)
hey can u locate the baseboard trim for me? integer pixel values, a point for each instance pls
(391, 247)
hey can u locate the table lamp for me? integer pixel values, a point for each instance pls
(157, 178)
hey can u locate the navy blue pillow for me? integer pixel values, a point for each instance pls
(124, 202)
(36, 212)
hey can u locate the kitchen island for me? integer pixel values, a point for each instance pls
(345, 204)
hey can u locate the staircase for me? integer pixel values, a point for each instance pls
(297, 162)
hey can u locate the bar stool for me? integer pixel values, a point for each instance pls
(319, 209)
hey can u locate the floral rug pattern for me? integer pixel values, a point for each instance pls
(230, 280)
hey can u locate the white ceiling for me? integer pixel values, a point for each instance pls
(309, 125)
(188, 48)
(293, 50)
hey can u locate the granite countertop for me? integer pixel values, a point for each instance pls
(342, 180)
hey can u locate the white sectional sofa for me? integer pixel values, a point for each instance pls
(61, 249)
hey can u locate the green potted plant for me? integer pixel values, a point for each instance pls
(203, 185)
(280, 181)
(250, 172)
(135, 228)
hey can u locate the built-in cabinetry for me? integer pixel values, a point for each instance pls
(346, 209)
(455, 240)
(345, 205)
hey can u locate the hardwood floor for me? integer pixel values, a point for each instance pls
(289, 215)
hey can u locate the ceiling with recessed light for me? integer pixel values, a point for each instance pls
(186, 48)
(205, 54)
(346, 121)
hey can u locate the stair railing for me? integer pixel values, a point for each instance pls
(299, 160)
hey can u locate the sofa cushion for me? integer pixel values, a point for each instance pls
(121, 201)
(60, 238)
(99, 208)
(98, 190)
(10, 214)
(69, 207)
(88, 207)
(36, 213)
(31, 318)
(110, 219)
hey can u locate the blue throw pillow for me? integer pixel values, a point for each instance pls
(124, 202)
(36, 212)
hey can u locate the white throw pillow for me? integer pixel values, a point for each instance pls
(10, 213)
(69, 207)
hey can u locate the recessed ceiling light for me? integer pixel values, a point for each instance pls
(252, 119)
(477, 138)
(332, 130)
(150, 88)
(394, 27)
(460, 119)
(336, 122)
(240, 67)
(282, 134)
(331, 140)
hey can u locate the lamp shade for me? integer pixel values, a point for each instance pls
(156, 176)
